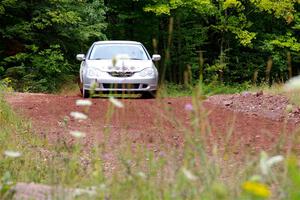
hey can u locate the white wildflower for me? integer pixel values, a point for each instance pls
(81, 102)
(116, 102)
(266, 163)
(293, 84)
(12, 154)
(77, 134)
(102, 186)
(78, 115)
(275, 159)
(189, 175)
(142, 175)
(118, 57)
(81, 192)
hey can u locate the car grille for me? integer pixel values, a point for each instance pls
(121, 74)
(121, 86)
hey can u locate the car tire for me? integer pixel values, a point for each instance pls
(149, 95)
(85, 93)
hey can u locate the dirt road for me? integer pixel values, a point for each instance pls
(253, 121)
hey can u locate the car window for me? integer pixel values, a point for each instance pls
(125, 51)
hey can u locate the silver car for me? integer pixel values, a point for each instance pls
(118, 66)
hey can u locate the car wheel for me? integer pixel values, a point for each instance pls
(85, 93)
(149, 95)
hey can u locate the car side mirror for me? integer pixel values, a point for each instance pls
(80, 57)
(156, 57)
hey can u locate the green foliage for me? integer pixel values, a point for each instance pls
(216, 88)
(280, 8)
(287, 41)
(158, 9)
(297, 21)
(232, 4)
(293, 173)
(176, 90)
(39, 40)
(32, 72)
(5, 85)
(242, 29)
(245, 37)
(164, 7)
(5, 186)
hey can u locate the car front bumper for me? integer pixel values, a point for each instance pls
(117, 84)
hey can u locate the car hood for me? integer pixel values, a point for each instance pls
(121, 65)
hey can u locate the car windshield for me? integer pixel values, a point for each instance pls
(125, 51)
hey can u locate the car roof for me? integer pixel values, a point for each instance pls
(117, 42)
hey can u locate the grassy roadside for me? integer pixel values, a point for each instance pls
(197, 175)
(15, 140)
(174, 90)
(27, 157)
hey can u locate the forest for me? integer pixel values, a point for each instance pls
(212, 41)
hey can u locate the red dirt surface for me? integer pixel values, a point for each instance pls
(248, 121)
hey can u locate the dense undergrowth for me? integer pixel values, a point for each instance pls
(190, 172)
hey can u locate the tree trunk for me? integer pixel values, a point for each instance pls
(290, 68)
(268, 70)
(167, 50)
(201, 64)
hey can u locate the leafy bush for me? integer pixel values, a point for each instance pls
(37, 71)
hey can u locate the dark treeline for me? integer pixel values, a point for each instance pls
(229, 41)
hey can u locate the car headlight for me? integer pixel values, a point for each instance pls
(147, 72)
(93, 73)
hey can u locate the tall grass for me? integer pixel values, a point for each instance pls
(200, 169)
(175, 90)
